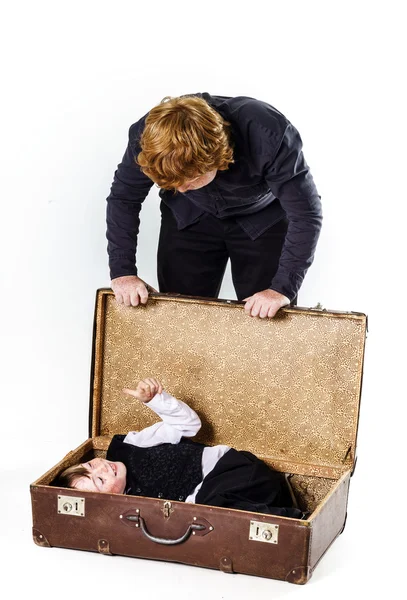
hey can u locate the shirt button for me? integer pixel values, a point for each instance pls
(181, 498)
(138, 490)
(159, 495)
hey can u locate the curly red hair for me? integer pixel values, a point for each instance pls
(183, 138)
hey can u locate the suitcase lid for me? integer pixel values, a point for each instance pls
(287, 389)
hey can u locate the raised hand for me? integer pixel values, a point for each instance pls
(146, 389)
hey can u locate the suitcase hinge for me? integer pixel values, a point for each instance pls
(318, 306)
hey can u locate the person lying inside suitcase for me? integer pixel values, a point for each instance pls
(161, 462)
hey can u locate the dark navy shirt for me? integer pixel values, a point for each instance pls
(269, 180)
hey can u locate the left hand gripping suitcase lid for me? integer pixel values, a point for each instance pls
(286, 389)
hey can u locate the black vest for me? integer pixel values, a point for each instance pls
(170, 471)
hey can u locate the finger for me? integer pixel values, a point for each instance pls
(144, 393)
(264, 309)
(134, 298)
(152, 391)
(151, 383)
(126, 299)
(245, 299)
(142, 291)
(256, 309)
(151, 386)
(272, 311)
(119, 298)
(158, 386)
(248, 306)
(145, 388)
(131, 392)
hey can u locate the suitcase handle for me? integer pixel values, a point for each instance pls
(167, 542)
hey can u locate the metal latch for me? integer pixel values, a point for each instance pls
(71, 505)
(167, 509)
(263, 532)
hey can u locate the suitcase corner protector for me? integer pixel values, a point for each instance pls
(40, 539)
(299, 575)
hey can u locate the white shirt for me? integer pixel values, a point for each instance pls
(177, 420)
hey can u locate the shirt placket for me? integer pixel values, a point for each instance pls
(219, 200)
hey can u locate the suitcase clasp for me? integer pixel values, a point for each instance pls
(167, 509)
(263, 532)
(71, 505)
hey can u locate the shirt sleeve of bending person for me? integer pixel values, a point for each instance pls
(178, 420)
(290, 180)
(129, 189)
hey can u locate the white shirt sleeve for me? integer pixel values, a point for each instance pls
(178, 420)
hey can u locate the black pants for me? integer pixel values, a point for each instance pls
(243, 481)
(193, 261)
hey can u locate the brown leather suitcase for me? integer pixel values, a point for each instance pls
(287, 389)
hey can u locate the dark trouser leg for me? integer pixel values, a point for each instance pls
(191, 261)
(255, 262)
(243, 481)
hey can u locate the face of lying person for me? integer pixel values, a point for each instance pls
(105, 476)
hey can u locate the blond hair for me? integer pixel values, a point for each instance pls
(182, 139)
(70, 476)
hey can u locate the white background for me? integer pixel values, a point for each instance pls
(75, 76)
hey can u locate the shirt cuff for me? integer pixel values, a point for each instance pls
(159, 401)
(287, 284)
(121, 267)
